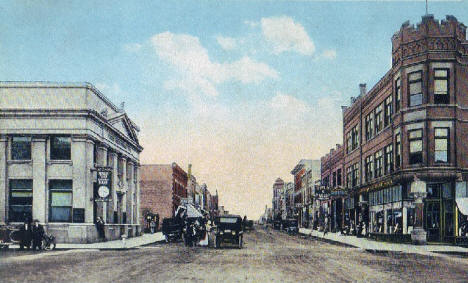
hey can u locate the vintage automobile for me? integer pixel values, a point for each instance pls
(290, 226)
(228, 230)
(172, 229)
(277, 224)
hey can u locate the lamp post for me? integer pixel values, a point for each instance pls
(418, 190)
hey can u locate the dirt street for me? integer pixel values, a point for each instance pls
(268, 256)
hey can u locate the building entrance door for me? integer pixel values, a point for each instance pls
(433, 221)
(439, 212)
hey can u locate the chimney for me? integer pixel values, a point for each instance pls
(362, 89)
(353, 99)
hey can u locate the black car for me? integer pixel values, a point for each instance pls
(228, 230)
(290, 225)
(172, 229)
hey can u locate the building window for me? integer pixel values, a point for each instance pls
(369, 121)
(378, 164)
(60, 148)
(20, 201)
(415, 88)
(441, 140)
(369, 167)
(348, 142)
(60, 200)
(355, 174)
(397, 151)
(355, 137)
(21, 148)
(397, 95)
(388, 111)
(441, 86)
(388, 151)
(334, 179)
(338, 178)
(349, 177)
(415, 143)
(378, 118)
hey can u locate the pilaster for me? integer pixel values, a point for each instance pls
(38, 156)
(3, 179)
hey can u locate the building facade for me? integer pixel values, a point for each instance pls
(58, 143)
(163, 187)
(278, 188)
(405, 156)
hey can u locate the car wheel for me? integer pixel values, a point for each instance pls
(240, 242)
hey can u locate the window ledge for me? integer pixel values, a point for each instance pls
(19, 161)
(68, 162)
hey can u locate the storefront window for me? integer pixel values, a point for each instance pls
(21, 148)
(20, 201)
(415, 140)
(415, 88)
(60, 200)
(433, 191)
(441, 89)
(441, 140)
(60, 148)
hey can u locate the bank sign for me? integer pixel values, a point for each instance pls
(104, 177)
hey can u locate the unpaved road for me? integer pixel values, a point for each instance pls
(268, 256)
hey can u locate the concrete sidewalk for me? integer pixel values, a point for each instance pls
(126, 244)
(371, 245)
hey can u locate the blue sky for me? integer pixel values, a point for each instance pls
(241, 89)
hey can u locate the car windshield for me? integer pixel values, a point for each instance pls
(227, 220)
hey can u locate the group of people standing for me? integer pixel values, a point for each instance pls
(31, 233)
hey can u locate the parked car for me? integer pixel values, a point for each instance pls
(290, 226)
(172, 229)
(228, 230)
(277, 224)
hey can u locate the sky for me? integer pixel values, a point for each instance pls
(240, 89)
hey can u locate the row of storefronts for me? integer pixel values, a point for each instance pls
(402, 171)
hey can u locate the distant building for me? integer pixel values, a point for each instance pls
(163, 186)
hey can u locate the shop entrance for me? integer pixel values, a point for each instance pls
(438, 211)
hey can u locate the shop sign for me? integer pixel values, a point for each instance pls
(380, 185)
(104, 177)
(322, 193)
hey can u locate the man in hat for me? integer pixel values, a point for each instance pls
(37, 234)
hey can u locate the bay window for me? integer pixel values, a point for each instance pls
(415, 88)
(415, 144)
(441, 140)
(441, 86)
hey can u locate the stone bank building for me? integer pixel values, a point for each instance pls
(54, 139)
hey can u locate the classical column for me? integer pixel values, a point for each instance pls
(137, 193)
(3, 179)
(124, 185)
(102, 207)
(38, 156)
(82, 160)
(115, 186)
(130, 192)
(418, 190)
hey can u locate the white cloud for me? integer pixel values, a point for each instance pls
(329, 54)
(227, 43)
(199, 74)
(286, 35)
(288, 103)
(132, 47)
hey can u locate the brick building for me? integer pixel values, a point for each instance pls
(278, 188)
(405, 154)
(162, 188)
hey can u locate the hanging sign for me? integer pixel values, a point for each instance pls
(104, 177)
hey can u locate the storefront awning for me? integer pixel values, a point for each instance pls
(462, 204)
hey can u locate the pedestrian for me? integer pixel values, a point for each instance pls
(325, 228)
(157, 222)
(152, 226)
(244, 222)
(37, 235)
(100, 229)
(26, 234)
